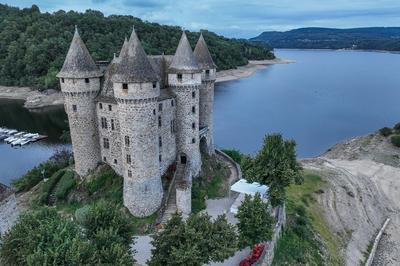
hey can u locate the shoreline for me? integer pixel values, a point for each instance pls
(35, 99)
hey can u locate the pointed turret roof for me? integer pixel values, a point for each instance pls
(203, 55)
(78, 62)
(134, 66)
(184, 59)
(124, 48)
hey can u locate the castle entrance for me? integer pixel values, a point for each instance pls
(183, 159)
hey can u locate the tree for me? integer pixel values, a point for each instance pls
(197, 241)
(275, 165)
(255, 222)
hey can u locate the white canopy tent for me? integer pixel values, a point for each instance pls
(245, 188)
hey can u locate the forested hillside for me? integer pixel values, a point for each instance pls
(33, 44)
(378, 38)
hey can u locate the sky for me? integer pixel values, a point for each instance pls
(239, 19)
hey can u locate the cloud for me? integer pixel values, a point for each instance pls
(234, 18)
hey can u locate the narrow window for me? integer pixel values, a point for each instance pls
(179, 76)
(106, 143)
(193, 109)
(159, 141)
(159, 121)
(128, 159)
(112, 124)
(74, 108)
(160, 107)
(160, 157)
(193, 140)
(105, 159)
(115, 161)
(172, 126)
(194, 125)
(109, 107)
(193, 94)
(154, 85)
(100, 105)
(104, 122)
(192, 76)
(62, 80)
(127, 141)
(125, 86)
(86, 80)
(129, 173)
(154, 111)
(172, 102)
(207, 72)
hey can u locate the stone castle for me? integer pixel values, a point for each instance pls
(140, 114)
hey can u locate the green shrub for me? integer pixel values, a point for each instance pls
(236, 155)
(66, 183)
(385, 131)
(395, 140)
(49, 185)
(397, 127)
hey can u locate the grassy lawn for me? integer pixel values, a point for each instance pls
(307, 239)
(212, 183)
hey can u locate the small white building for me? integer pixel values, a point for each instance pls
(245, 188)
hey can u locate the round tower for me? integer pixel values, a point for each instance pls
(208, 69)
(184, 78)
(80, 84)
(136, 89)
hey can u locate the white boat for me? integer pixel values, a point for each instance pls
(11, 131)
(26, 141)
(30, 135)
(19, 134)
(10, 139)
(18, 141)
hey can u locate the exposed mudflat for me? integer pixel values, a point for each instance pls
(363, 176)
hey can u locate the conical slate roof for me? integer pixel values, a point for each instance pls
(184, 61)
(124, 48)
(78, 62)
(134, 66)
(203, 55)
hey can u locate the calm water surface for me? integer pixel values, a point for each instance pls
(323, 98)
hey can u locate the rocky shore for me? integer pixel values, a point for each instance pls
(35, 99)
(362, 190)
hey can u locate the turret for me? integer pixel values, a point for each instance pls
(136, 89)
(80, 84)
(184, 78)
(208, 69)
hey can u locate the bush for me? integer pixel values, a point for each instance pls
(66, 183)
(395, 140)
(58, 161)
(235, 155)
(49, 185)
(385, 131)
(397, 127)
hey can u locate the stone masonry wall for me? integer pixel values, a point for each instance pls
(139, 122)
(8, 213)
(81, 109)
(206, 112)
(112, 155)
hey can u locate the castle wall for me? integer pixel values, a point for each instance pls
(206, 112)
(187, 93)
(81, 109)
(166, 132)
(139, 122)
(112, 154)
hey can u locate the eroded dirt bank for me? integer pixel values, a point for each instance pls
(363, 176)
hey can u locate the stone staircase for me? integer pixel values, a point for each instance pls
(171, 204)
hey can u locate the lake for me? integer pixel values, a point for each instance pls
(323, 98)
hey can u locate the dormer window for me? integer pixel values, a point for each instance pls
(179, 77)
(154, 85)
(193, 94)
(62, 80)
(207, 72)
(125, 86)
(86, 80)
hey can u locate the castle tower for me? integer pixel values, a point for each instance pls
(184, 78)
(136, 89)
(80, 84)
(206, 93)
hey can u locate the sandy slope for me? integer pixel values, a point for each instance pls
(363, 189)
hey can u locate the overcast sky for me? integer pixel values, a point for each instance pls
(244, 18)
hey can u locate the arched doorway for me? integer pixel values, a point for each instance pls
(182, 158)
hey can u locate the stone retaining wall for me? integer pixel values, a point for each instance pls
(8, 213)
(227, 157)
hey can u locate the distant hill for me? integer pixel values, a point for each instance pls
(33, 45)
(377, 38)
